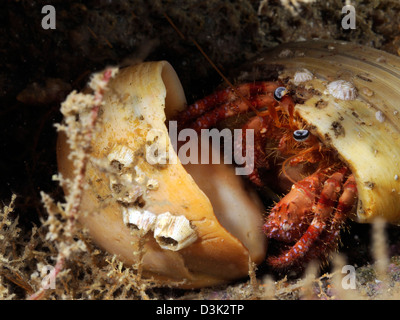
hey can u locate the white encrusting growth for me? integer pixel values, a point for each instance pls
(342, 90)
(122, 154)
(123, 188)
(380, 116)
(302, 75)
(144, 221)
(171, 232)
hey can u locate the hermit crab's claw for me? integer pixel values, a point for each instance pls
(333, 203)
(290, 217)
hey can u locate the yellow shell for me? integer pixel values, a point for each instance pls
(359, 116)
(198, 232)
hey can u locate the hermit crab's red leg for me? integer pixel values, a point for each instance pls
(346, 203)
(229, 109)
(290, 217)
(201, 106)
(255, 124)
(330, 238)
(263, 128)
(274, 114)
(288, 104)
(243, 91)
(323, 211)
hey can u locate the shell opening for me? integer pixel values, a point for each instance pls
(236, 206)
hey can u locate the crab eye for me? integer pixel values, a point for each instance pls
(279, 93)
(301, 135)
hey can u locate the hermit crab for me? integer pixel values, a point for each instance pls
(325, 123)
(308, 214)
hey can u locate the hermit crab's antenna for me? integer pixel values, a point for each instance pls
(212, 64)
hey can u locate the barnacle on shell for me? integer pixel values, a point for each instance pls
(301, 76)
(173, 232)
(141, 220)
(342, 90)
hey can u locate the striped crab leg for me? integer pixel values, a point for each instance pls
(207, 112)
(290, 217)
(264, 128)
(222, 104)
(322, 213)
(346, 203)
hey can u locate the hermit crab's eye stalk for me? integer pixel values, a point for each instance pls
(279, 93)
(301, 135)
